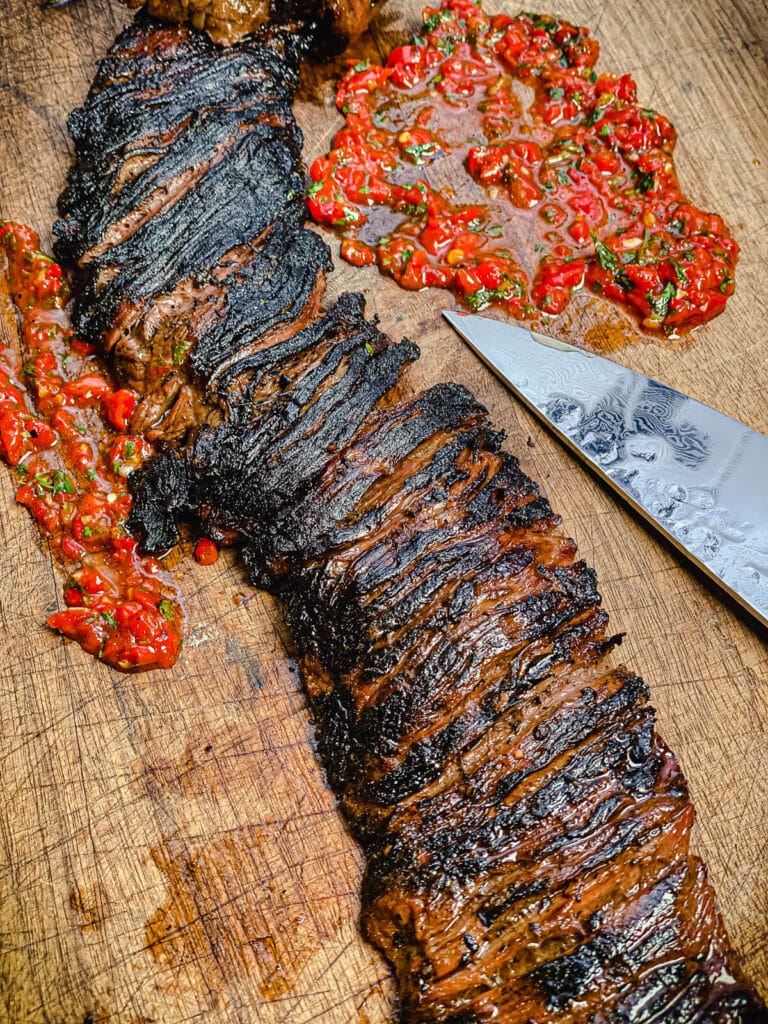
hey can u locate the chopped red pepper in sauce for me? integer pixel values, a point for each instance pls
(580, 192)
(206, 551)
(63, 428)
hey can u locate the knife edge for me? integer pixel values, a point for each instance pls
(759, 611)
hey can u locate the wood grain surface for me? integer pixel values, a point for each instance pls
(169, 851)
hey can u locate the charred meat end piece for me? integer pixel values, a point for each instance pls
(340, 22)
(225, 21)
(334, 23)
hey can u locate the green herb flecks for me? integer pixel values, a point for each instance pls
(645, 181)
(420, 152)
(180, 351)
(609, 261)
(166, 610)
(660, 303)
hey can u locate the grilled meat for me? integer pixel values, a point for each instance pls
(336, 22)
(225, 21)
(342, 21)
(526, 830)
(185, 213)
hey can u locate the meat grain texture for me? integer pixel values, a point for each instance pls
(525, 828)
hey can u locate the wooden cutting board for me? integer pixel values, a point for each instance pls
(168, 849)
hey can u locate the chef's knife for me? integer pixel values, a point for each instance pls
(698, 476)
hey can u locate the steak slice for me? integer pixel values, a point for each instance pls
(185, 199)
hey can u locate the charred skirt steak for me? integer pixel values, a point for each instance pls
(526, 830)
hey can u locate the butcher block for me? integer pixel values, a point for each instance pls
(169, 849)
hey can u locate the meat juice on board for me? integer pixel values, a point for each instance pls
(580, 191)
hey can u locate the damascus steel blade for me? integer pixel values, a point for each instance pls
(698, 476)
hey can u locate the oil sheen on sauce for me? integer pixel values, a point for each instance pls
(63, 430)
(440, 177)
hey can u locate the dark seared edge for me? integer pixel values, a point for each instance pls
(331, 23)
(526, 831)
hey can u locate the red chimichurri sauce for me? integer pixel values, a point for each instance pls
(63, 428)
(579, 192)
